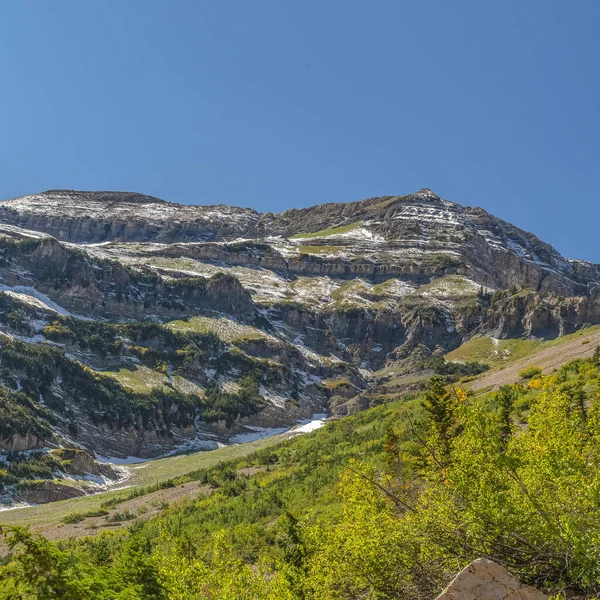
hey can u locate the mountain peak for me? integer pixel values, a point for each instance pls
(426, 193)
(337, 290)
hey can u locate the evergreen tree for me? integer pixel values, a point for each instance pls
(439, 405)
(505, 398)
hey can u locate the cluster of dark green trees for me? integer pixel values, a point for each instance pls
(34, 369)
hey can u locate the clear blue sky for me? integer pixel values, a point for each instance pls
(277, 104)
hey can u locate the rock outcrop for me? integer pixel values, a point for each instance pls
(18, 442)
(42, 492)
(486, 580)
(80, 463)
(89, 217)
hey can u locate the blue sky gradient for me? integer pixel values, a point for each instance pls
(274, 104)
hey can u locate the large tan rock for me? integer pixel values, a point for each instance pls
(42, 492)
(486, 580)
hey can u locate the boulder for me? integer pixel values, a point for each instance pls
(79, 462)
(486, 580)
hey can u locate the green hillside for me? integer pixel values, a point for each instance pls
(388, 503)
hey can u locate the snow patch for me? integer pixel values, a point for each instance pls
(317, 421)
(256, 433)
(34, 298)
(114, 460)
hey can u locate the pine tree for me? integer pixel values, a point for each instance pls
(439, 405)
(505, 398)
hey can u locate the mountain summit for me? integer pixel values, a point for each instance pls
(416, 236)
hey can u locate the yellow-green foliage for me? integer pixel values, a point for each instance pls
(479, 487)
(387, 504)
(485, 349)
(226, 329)
(141, 379)
(354, 293)
(223, 576)
(385, 288)
(57, 331)
(503, 351)
(530, 372)
(320, 249)
(138, 379)
(327, 232)
(333, 384)
(449, 286)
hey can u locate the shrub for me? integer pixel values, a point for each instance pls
(78, 517)
(530, 372)
(456, 370)
(121, 516)
(73, 518)
(58, 332)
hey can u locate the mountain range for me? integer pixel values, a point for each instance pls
(131, 326)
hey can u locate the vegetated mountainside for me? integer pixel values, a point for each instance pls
(132, 326)
(389, 503)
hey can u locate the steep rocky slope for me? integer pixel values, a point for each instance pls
(415, 236)
(131, 326)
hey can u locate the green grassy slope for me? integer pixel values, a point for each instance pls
(146, 474)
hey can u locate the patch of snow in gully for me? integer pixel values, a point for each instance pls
(317, 421)
(113, 460)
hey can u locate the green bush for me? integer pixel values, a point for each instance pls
(530, 372)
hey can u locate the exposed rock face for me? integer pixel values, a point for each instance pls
(415, 236)
(18, 443)
(532, 314)
(102, 216)
(110, 289)
(42, 492)
(142, 442)
(486, 580)
(81, 463)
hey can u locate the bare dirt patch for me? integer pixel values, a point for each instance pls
(548, 358)
(141, 507)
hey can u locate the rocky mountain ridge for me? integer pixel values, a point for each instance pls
(415, 236)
